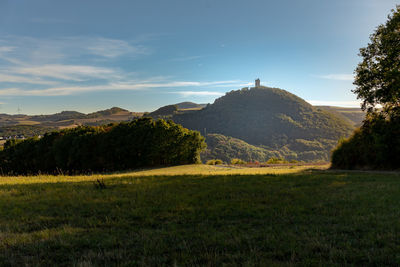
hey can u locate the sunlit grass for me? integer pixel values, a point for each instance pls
(27, 122)
(194, 169)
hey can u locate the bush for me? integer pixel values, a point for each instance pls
(139, 143)
(276, 161)
(375, 145)
(214, 162)
(236, 161)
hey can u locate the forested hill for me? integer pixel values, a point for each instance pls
(271, 118)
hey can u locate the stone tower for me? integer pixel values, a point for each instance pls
(258, 83)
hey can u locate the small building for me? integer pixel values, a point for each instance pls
(258, 83)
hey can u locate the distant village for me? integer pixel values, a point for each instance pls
(19, 137)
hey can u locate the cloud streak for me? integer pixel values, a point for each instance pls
(111, 48)
(338, 77)
(189, 58)
(115, 86)
(48, 67)
(6, 49)
(198, 93)
(64, 72)
(29, 50)
(5, 78)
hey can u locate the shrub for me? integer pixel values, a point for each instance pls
(214, 162)
(375, 145)
(236, 161)
(277, 161)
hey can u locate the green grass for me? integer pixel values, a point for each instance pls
(298, 218)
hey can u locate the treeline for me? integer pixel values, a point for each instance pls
(375, 145)
(114, 147)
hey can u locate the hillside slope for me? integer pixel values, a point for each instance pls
(190, 105)
(354, 115)
(227, 148)
(271, 118)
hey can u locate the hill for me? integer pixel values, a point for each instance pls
(354, 116)
(64, 115)
(249, 124)
(273, 119)
(163, 112)
(189, 105)
(166, 112)
(67, 119)
(108, 112)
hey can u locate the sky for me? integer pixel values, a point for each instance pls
(140, 55)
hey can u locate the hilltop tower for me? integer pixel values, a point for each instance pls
(258, 83)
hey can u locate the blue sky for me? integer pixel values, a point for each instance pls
(140, 55)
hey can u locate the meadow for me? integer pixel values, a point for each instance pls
(202, 215)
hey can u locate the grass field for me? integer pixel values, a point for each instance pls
(207, 216)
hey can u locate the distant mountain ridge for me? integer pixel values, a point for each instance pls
(252, 124)
(63, 115)
(107, 112)
(67, 119)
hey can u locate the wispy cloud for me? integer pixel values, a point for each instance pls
(19, 79)
(50, 50)
(112, 48)
(48, 67)
(339, 77)
(198, 93)
(64, 72)
(189, 58)
(6, 49)
(350, 104)
(50, 20)
(114, 86)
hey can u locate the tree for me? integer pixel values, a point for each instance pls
(140, 143)
(378, 75)
(376, 144)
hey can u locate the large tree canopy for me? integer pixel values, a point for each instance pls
(378, 75)
(376, 145)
